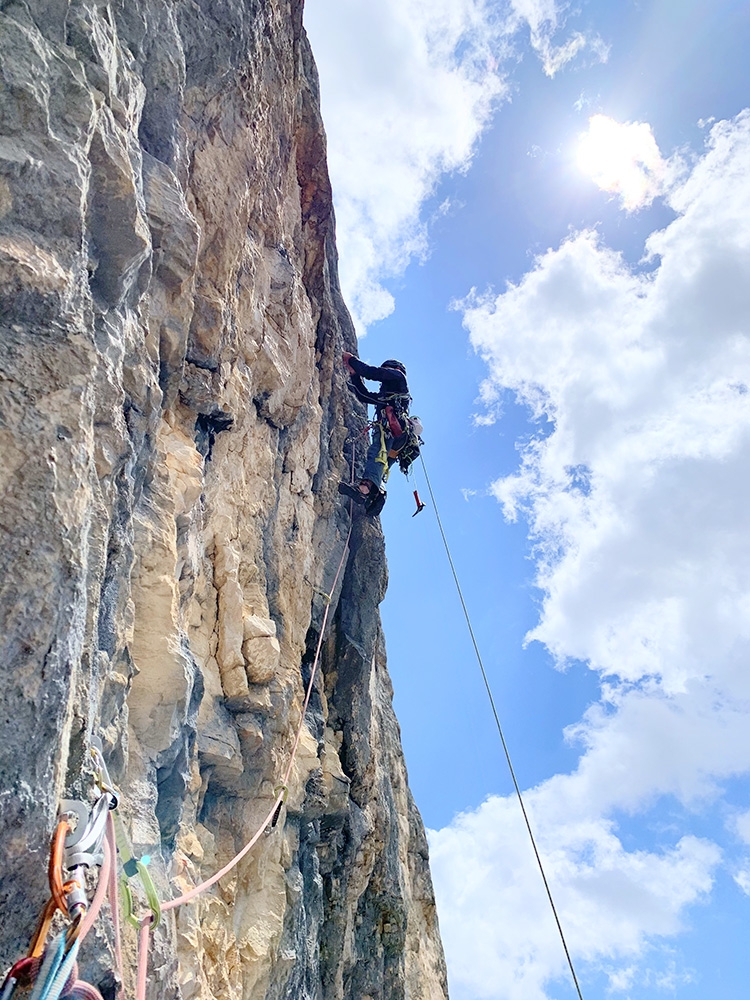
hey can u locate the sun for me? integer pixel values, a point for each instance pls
(623, 159)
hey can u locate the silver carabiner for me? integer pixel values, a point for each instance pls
(85, 845)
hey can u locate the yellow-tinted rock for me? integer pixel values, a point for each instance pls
(261, 658)
(174, 419)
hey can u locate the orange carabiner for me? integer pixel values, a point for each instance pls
(58, 889)
(56, 885)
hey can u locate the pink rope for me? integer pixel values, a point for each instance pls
(101, 892)
(108, 874)
(140, 993)
(308, 695)
(107, 886)
(83, 991)
(140, 982)
(198, 889)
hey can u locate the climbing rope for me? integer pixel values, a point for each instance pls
(506, 751)
(50, 969)
(282, 789)
(97, 838)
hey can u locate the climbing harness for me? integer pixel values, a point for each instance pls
(406, 443)
(506, 751)
(406, 440)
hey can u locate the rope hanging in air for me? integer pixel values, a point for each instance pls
(501, 734)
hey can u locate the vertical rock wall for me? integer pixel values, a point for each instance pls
(172, 424)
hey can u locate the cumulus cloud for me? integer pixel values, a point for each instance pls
(407, 88)
(623, 158)
(635, 492)
(497, 927)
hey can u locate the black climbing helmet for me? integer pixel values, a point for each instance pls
(394, 364)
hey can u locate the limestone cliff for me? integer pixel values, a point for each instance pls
(173, 424)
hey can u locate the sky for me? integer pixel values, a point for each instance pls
(543, 210)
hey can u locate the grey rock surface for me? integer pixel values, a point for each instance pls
(173, 424)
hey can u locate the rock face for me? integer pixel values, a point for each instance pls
(173, 418)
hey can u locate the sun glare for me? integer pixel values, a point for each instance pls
(623, 159)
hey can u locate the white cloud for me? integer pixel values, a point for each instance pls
(497, 927)
(544, 18)
(742, 878)
(623, 158)
(407, 88)
(635, 491)
(741, 826)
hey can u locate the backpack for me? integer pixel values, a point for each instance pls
(409, 451)
(398, 405)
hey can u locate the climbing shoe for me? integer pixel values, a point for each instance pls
(353, 492)
(375, 502)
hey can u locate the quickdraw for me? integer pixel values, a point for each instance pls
(284, 790)
(131, 867)
(77, 843)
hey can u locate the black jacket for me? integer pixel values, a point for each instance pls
(392, 383)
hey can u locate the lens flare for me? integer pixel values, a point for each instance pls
(623, 159)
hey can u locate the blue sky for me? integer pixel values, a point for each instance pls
(593, 492)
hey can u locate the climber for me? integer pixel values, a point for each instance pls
(392, 431)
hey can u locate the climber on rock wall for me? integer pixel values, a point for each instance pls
(391, 430)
